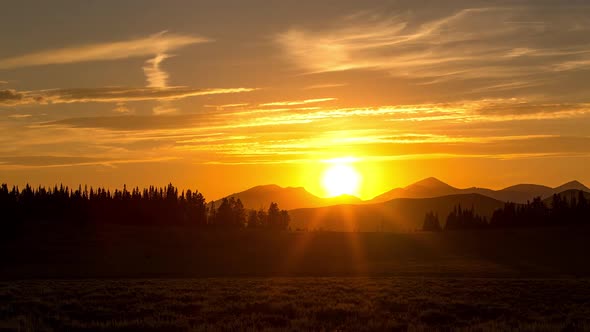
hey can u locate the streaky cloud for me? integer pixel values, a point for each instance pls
(490, 46)
(153, 45)
(156, 77)
(106, 95)
(11, 97)
(20, 116)
(298, 102)
(325, 86)
(32, 162)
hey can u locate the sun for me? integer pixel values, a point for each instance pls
(340, 179)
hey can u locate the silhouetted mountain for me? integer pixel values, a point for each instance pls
(402, 214)
(430, 187)
(288, 198)
(567, 195)
(342, 199)
(572, 185)
(520, 193)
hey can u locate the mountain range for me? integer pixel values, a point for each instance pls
(397, 215)
(291, 198)
(400, 209)
(520, 193)
(288, 198)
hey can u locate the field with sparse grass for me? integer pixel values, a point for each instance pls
(176, 279)
(294, 304)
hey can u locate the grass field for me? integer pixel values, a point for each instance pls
(143, 252)
(351, 304)
(175, 279)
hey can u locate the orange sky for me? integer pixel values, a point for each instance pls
(225, 95)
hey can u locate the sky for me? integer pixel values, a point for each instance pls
(223, 95)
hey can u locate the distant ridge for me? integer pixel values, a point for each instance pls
(288, 198)
(572, 185)
(397, 215)
(433, 187)
(567, 195)
(429, 187)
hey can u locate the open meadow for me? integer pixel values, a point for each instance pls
(111, 251)
(295, 304)
(152, 279)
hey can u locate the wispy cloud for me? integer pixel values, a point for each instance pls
(122, 108)
(12, 97)
(225, 106)
(156, 46)
(491, 45)
(106, 95)
(324, 86)
(164, 108)
(153, 45)
(298, 102)
(156, 77)
(32, 162)
(20, 116)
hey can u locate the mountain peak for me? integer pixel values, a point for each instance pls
(429, 182)
(572, 185)
(265, 187)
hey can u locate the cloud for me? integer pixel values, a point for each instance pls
(31, 162)
(224, 106)
(20, 116)
(45, 160)
(300, 134)
(11, 97)
(164, 108)
(298, 102)
(495, 112)
(122, 108)
(156, 77)
(324, 86)
(106, 95)
(156, 44)
(491, 45)
(126, 122)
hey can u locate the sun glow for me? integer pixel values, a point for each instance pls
(340, 179)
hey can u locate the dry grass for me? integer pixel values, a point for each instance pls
(294, 304)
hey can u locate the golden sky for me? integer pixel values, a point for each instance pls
(225, 95)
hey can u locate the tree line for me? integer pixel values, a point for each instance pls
(149, 206)
(562, 211)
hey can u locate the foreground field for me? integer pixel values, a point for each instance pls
(352, 304)
(146, 252)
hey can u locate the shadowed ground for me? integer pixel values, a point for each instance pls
(140, 252)
(296, 304)
(102, 279)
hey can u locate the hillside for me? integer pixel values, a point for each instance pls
(573, 185)
(568, 196)
(430, 187)
(520, 193)
(403, 214)
(288, 198)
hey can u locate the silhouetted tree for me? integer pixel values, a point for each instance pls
(431, 223)
(274, 218)
(253, 219)
(64, 205)
(464, 219)
(562, 211)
